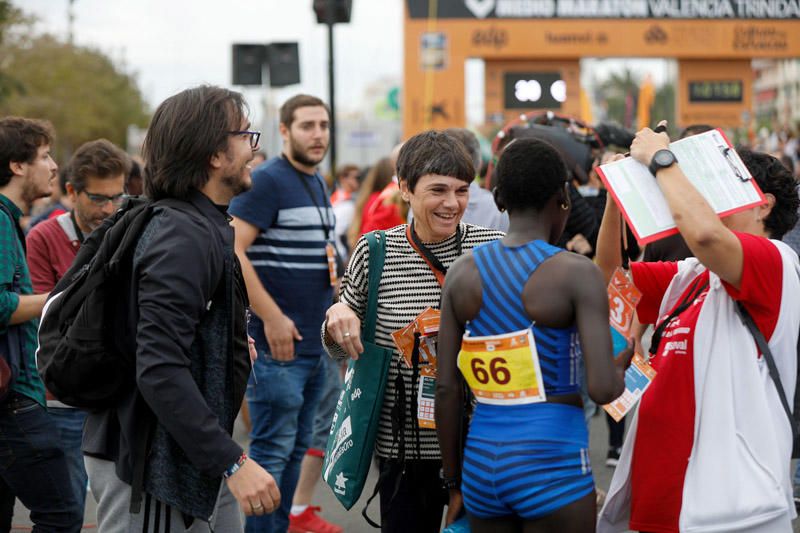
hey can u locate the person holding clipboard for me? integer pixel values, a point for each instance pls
(710, 445)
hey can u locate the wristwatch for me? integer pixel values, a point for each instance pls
(661, 159)
(451, 483)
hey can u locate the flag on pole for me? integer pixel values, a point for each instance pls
(647, 96)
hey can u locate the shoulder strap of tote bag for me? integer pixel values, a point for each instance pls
(377, 252)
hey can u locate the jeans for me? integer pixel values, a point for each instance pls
(34, 468)
(328, 401)
(283, 400)
(69, 424)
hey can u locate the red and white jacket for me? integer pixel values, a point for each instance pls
(709, 446)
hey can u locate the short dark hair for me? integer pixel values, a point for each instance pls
(344, 170)
(774, 178)
(695, 129)
(297, 101)
(135, 179)
(63, 178)
(530, 171)
(97, 159)
(20, 138)
(434, 152)
(186, 131)
(471, 143)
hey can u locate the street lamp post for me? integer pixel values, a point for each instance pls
(331, 12)
(330, 21)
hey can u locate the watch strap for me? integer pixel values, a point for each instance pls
(655, 166)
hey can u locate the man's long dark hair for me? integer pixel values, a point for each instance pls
(186, 131)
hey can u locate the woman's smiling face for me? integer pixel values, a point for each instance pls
(438, 203)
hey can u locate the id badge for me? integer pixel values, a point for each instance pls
(623, 296)
(637, 379)
(330, 251)
(426, 397)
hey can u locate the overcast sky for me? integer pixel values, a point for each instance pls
(175, 44)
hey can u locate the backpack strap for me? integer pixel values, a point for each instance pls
(16, 283)
(695, 290)
(763, 347)
(14, 340)
(20, 233)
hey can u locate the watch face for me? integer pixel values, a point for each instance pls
(664, 158)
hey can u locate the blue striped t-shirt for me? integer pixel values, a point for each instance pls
(289, 251)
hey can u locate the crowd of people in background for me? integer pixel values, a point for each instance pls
(247, 291)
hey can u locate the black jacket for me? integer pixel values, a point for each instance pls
(186, 309)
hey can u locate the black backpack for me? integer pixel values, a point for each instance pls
(85, 357)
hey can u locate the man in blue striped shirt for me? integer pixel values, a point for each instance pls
(284, 229)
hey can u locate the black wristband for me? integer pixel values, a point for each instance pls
(451, 483)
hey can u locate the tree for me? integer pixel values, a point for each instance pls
(619, 91)
(78, 89)
(621, 87)
(664, 106)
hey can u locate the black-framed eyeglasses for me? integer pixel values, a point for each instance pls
(101, 199)
(255, 136)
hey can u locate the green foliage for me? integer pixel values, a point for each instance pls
(78, 89)
(617, 86)
(664, 107)
(615, 89)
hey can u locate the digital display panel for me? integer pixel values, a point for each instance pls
(534, 90)
(716, 91)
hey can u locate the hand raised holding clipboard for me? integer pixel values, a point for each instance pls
(711, 164)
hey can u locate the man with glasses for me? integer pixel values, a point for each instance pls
(162, 458)
(95, 180)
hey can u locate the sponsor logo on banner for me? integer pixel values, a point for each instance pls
(759, 38)
(586, 9)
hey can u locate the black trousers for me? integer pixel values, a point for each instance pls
(412, 498)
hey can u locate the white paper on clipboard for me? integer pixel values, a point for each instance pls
(710, 163)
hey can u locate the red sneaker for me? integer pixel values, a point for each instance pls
(309, 522)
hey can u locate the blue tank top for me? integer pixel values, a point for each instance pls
(504, 271)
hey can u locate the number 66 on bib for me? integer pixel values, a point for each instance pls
(502, 369)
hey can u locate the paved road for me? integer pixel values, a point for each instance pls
(352, 521)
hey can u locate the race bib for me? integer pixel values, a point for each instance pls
(502, 369)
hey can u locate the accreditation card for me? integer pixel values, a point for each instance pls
(622, 299)
(637, 378)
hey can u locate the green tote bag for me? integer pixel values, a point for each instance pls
(355, 425)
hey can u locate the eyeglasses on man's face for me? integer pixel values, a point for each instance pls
(101, 199)
(254, 136)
